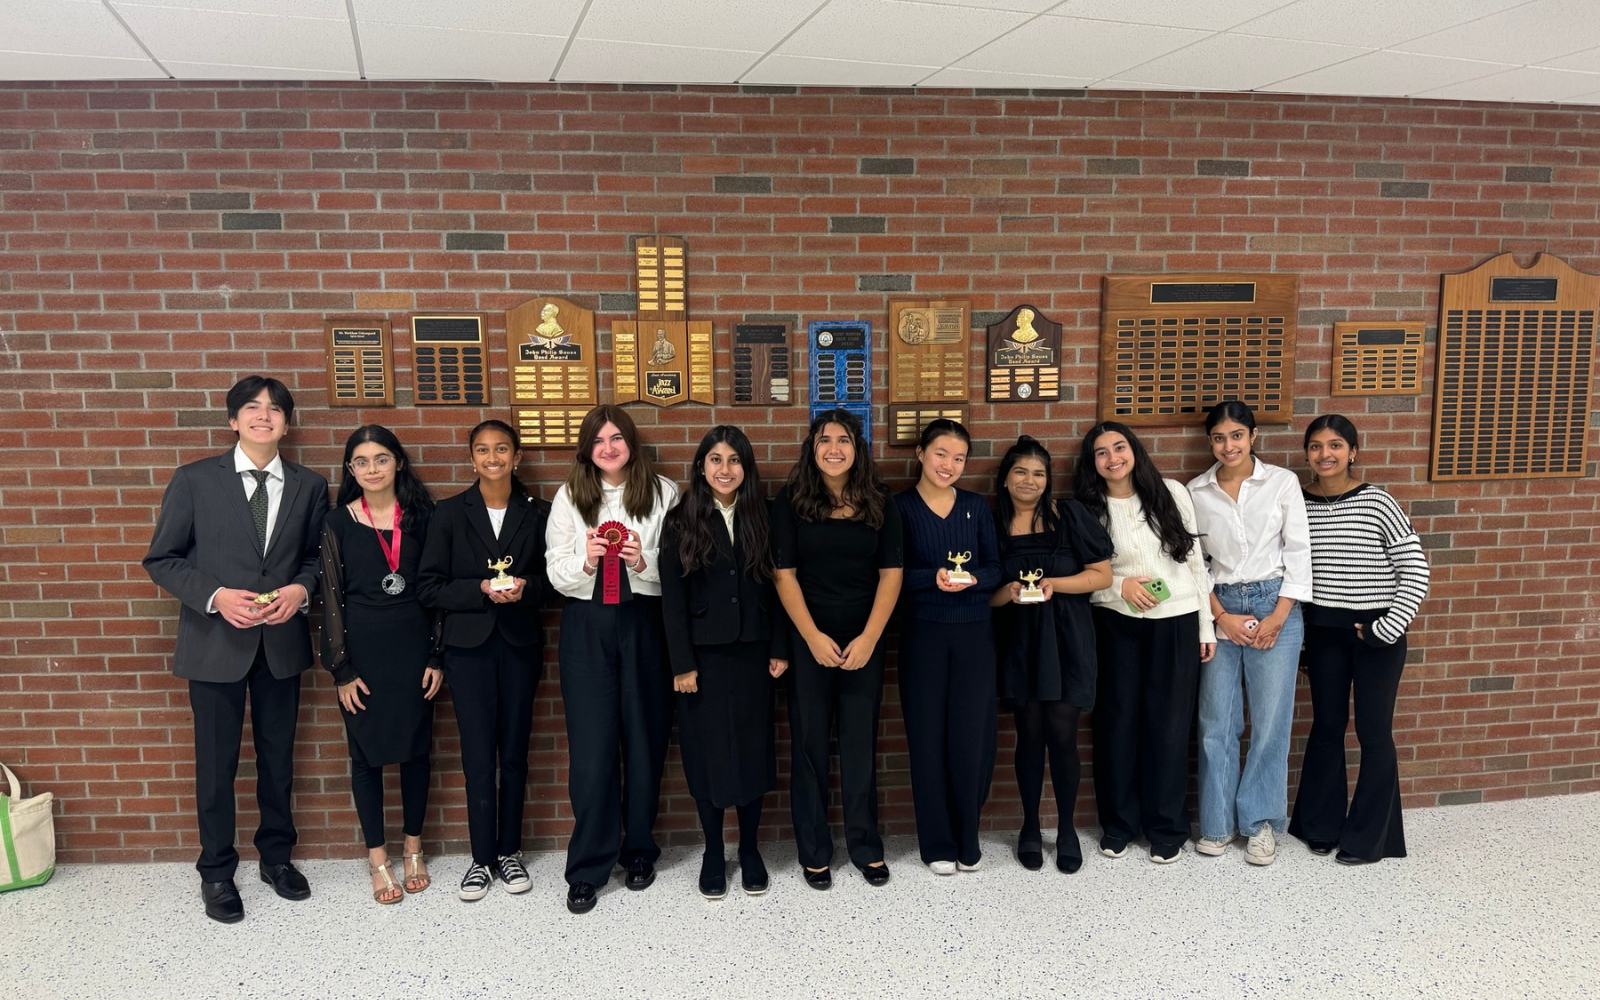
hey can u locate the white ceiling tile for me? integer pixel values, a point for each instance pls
(1588, 59)
(1025, 6)
(1236, 62)
(1593, 98)
(81, 29)
(333, 9)
(1362, 22)
(533, 17)
(234, 39)
(1207, 15)
(1071, 46)
(590, 61)
(955, 76)
(1394, 73)
(1532, 33)
(898, 33)
(43, 66)
(412, 52)
(786, 69)
(755, 25)
(224, 71)
(1526, 83)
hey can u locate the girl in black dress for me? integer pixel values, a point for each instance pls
(836, 549)
(718, 603)
(1046, 647)
(376, 641)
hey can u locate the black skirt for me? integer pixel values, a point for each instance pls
(725, 728)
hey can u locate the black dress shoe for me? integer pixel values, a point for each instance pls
(875, 874)
(580, 897)
(1068, 863)
(641, 873)
(1346, 858)
(713, 877)
(1322, 847)
(222, 901)
(752, 874)
(818, 880)
(286, 880)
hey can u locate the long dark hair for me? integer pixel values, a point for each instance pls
(517, 488)
(640, 490)
(863, 490)
(1044, 515)
(1160, 510)
(696, 520)
(411, 493)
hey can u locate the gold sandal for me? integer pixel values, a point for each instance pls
(416, 871)
(389, 886)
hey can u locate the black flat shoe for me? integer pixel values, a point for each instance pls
(713, 877)
(1032, 857)
(1322, 847)
(580, 897)
(752, 874)
(222, 901)
(875, 874)
(818, 880)
(1068, 863)
(286, 880)
(641, 874)
(1346, 858)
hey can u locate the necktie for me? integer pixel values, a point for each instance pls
(258, 506)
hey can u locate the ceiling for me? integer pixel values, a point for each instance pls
(1543, 51)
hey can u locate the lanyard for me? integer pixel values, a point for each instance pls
(390, 555)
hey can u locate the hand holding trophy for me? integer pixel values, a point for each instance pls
(500, 581)
(1031, 594)
(959, 576)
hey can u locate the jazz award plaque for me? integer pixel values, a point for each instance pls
(551, 365)
(928, 351)
(360, 366)
(661, 357)
(761, 374)
(1024, 358)
(449, 365)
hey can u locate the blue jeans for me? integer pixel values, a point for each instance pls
(1230, 801)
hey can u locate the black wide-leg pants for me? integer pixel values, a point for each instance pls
(492, 687)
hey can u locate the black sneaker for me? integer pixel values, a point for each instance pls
(475, 883)
(1113, 847)
(513, 876)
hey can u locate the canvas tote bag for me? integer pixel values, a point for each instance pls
(27, 836)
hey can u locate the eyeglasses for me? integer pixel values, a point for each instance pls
(383, 463)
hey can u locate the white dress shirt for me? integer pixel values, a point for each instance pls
(274, 470)
(727, 513)
(566, 542)
(1264, 535)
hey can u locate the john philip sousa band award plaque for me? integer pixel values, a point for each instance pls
(550, 359)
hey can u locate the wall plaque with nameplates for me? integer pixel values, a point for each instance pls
(906, 420)
(1377, 359)
(360, 365)
(928, 351)
(762, 373)
(841, 369)
(449, 361)
(662, 357)
(1512, 383)
(1173, 346)
(550, 362)
(1024, 358)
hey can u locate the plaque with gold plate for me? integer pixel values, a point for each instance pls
(928, 351)
(360, 363)
(1024, 358)
(551, 365)
(661, 357)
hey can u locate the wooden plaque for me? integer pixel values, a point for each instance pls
(928, 351)
(449, 361)
(906, 420)
(841, 369)
(662, 277)
(762, 374)
(1025, 358)
(550, 365)
(1377, 359)
(1173, 346)
(1512, 386)
(360, 362)
(665, 363)
(548, 426)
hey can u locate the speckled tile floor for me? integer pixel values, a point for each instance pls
(1498, 900)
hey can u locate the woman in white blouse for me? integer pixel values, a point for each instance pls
(1257, 546)
(600, 550)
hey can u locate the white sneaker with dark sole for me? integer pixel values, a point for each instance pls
(475, 883)
(513, 876)
(1212, 847)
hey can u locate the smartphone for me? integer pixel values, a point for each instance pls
(1156, 588)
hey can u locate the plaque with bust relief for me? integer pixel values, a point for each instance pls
(1024, 358)
(550, 364)
(662, 357)
(928, 351)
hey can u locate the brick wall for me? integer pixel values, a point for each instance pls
(162, 239)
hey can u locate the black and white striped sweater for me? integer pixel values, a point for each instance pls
(1365, 555)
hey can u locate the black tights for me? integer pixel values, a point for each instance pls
(1051, 725)
(366, 784)
(711, 821)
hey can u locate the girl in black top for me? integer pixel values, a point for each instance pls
(376, 640)
(718, 602)
(492, 643)
(836, 550)
(1046, 648)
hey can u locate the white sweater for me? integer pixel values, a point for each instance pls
(1139, 552)
(565, 540)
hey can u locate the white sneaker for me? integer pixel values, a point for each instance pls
(513, 876)
(970, 868)
(1262, 848)
(942, 867)
(1212, 846)
(475, 883)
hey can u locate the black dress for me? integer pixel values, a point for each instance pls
(384, 639)
(1047, 650)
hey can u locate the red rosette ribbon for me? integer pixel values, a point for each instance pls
(614, 533)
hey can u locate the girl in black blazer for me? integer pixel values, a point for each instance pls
(718, 602)
(492, 652)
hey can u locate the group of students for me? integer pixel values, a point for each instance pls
(1134, 597)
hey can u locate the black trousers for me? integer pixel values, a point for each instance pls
(1144, 711)
(218, 727)
(1048, 726)
(819, 695)
(1338, 662)
(617, 691)
(366, 787)
(492, 686)
(947, 694)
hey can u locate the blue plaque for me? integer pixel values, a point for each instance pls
(841, 369)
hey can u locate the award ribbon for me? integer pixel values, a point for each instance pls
(394, 583)
(614, 534)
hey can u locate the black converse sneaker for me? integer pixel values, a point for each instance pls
(475, 883)
(512, 875)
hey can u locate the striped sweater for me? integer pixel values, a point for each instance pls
(1365, 555)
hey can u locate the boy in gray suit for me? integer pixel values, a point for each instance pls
(237, 543)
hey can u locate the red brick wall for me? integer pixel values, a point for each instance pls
(161, 239)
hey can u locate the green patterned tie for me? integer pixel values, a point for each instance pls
(258, 506)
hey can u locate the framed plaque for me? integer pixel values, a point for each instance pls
(449, 365)
(662, 357)
(1024, 358)
(761, 371)
(360, 364)
(841, 369)
(550, 361)
(928, 351)
(548, 426)
(1377, 359)
(906, 420)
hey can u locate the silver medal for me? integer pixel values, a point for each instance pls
(394, 584)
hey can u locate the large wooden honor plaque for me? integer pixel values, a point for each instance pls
(1025, 358)
(662, 358)
(550, 362)
(928, 351)
(360, 364)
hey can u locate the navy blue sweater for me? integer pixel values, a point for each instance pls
(929, 539)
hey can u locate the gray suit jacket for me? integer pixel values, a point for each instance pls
(205, 539)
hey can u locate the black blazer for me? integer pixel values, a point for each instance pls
(455, 560)
(717, 604)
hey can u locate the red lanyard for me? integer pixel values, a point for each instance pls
(390, 555)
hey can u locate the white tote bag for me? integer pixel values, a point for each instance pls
(27, 836)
